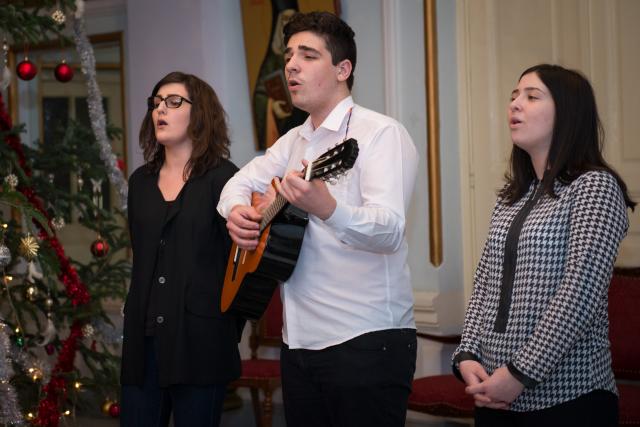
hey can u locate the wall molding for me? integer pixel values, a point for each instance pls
(101, 8)
(425, 312)
(466, 138)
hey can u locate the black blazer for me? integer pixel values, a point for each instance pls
(195, 343)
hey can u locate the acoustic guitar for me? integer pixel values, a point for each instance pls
(252, 276)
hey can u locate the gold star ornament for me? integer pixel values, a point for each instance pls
(29, 247)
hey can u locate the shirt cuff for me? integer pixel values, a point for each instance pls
(461, 357)
(225, 208)
(340, 218)
(528, 382)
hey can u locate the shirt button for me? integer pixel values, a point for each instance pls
(159, 319)
(161, 280)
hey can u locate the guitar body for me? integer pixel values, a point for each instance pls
(252, 276)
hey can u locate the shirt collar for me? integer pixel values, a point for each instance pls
(333, 122)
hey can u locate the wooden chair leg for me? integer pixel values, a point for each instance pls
(255, 400)
(267, 408)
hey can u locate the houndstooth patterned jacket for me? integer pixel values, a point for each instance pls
(548, 321)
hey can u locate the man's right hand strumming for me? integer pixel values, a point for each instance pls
(243, 224)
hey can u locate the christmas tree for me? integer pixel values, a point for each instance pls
(58, 348)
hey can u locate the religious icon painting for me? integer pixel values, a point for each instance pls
(263, 21)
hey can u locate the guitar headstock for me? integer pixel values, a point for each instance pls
(335, 161)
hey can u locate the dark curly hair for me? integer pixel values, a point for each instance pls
(338, 36)
(577, 138)
(207, 128)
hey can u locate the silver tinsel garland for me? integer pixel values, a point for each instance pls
(96, 111)
(9, 410)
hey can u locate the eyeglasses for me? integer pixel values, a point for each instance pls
(171, 101)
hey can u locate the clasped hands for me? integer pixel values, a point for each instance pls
(312, 196)
(495, 391)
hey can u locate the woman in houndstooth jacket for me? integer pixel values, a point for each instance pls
(535, 348)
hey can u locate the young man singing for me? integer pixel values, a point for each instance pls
(349, 349)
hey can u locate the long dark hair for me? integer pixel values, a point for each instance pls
(207, 128)
(577, 139)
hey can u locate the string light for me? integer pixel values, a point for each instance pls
(35, 373)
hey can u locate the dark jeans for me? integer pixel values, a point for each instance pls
(150, 405)
(596, 409)
(365, 381)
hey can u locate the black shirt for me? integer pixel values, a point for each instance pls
(157, 280)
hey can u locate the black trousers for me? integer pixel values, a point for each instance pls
(365, 381)
(598, 408)
(150, 405)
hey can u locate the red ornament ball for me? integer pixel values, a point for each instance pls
(63, 72)
(99, 248)
(49, 348)
(26, 69)
(114, 410)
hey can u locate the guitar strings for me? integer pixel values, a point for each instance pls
(280, 201)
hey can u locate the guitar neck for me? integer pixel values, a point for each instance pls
(274, 208)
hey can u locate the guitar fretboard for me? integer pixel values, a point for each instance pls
(272, 211)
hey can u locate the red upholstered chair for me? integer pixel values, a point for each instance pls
(263, 374)
(624, 334)
(441, 395)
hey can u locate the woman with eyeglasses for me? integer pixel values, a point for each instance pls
(179, 350)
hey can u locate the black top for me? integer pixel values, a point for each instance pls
(152, 304)
(183, 254)
(511, 258)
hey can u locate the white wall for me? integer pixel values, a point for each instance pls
(365, 18)
(161, 36)
(195, 36)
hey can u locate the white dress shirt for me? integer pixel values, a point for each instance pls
(352, 275)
